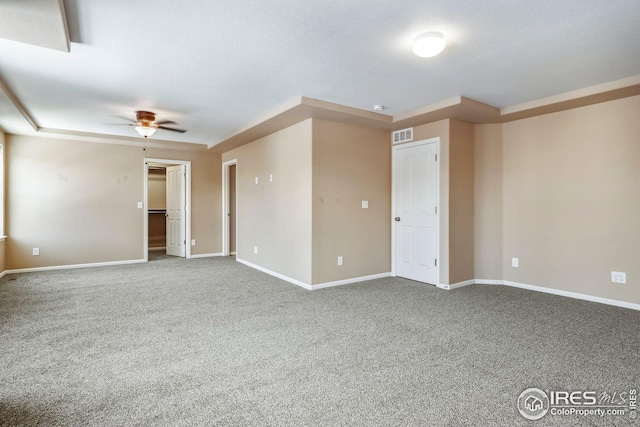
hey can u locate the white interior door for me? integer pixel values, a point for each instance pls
(176, 211)
(416, 217)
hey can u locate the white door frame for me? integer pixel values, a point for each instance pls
(395, 149)
(145, 233)
(225, 206)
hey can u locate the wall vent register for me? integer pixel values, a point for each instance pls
(404, 135)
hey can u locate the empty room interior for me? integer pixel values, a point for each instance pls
(319, 213)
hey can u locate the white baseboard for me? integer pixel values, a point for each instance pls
(313, 287)
(274, 274)
(352, 280)
(456, 285)
(206, 255)
(67, 267)
(489, 282)
(560, 292)
(232, 253)
(4, 273)
(573, 295)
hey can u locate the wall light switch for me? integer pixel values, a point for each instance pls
(514, 262)
(339, 260)
(618, 277)
(255, 249)
(193, 242)
(256, 179)
(139, 205)
(270, 177)
(365, 204)
(36, 251)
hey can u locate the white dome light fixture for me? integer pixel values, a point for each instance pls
(146, 129)
(429, 44)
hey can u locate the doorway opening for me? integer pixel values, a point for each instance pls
(167, 209)
(229, 208)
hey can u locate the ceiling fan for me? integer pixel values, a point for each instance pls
(146, 124)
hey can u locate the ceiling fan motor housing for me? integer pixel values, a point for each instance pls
(145, 116)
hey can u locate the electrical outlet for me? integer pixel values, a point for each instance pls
(270, 177)
(365, 204)
(339, 260)
(193, 242)
(256, 179)
(618, 277)
(255, 249)
(514, 262)
(36, 251)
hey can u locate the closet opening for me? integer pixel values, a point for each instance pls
(229, 208)
(167, 219)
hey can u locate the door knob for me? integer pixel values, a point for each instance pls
(397, 218)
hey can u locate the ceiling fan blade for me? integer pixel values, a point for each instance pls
(125, 118)
(166, 122)
(120, 124)
(172, 129)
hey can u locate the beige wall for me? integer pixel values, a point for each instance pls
(76, 201)
(3, 252)
(488, 202)
(461, 201)
(350, 164)
(558, 191)
(571, 199)
(276, 216)
(440, 129)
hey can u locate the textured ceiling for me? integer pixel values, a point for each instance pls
(37, 22)
(214, 66)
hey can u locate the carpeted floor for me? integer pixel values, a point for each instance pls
(212, 342)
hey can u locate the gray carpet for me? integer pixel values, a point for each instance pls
(211, 342)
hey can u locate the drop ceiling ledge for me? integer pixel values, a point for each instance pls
(460, 108)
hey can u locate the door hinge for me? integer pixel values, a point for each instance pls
(436, 209)
(435, 261)
(436, 157)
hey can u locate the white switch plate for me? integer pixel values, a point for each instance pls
(618, 277)
(270, 177)
(339, 260)
(256, 179)
(365, 204)
(193, 242)
(139, 205)
(36, 251)
(514, 262)
(255, 249)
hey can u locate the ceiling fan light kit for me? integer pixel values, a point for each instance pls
(146, 124)
(145, 130)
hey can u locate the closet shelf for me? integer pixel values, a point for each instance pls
(157, 211)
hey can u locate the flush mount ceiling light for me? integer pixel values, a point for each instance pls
(429, 44)
(146, 129)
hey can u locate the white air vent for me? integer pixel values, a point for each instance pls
(403, 135)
